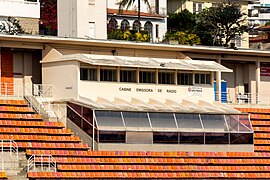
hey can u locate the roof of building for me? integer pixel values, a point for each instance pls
(38, 42)
(133, 13)
(153, 105)
(144, 62)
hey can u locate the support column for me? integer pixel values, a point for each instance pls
(218, 82)
(258, 80)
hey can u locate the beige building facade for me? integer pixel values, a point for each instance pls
(196, 6)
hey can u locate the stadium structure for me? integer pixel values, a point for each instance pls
(94, 109)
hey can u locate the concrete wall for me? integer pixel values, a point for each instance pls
(64, 77)
(110, 90)
(82, 18)
(171, 147)
(30, 25)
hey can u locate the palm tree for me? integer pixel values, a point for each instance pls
(128, 3)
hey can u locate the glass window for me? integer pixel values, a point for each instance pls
(241, 138)
(197, 7)
(147, 77)
(191, 138)
(124, 25)
(112, 24)
(107, 120)
(108, 75)
(213, 123)
(185, 78)
(188, 122)
(166, 77)
(202, 78)
(136, 25)
(89, 74)
(216, 138)
(157, 31)
(128, 76)
(165, 137)
(112, 136)
(238, 123)
(148, 27)
(163, 121)
(136, 120)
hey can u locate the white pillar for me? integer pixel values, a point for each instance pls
(258, 79)
(218, 82)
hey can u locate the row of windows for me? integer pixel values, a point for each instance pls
(91, 74)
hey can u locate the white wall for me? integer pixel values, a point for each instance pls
(19, 8)
(111, 90)
(64, 78)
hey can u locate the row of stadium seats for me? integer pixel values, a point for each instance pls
(254, 111)
(58, 145)
(22, 117)
(166, 168)
(148, 154)
(7, 102)
(16, 109)
(39, 130)
(42, 138)
(15, 123)
(147, 175)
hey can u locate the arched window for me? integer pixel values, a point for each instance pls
(124, 25)
(112, 24)
(148, 27)
(136, 25)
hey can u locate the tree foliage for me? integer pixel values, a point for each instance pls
(182, 37)
(127, 35)
(182, 21)
(219, 25)
(11, 26)
(214, 26)
(48, 15)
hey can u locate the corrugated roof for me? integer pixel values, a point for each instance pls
(145, 62)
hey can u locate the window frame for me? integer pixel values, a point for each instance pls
(108, 68)
(149, 71)
(206, 75)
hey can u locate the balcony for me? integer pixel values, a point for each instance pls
(20, 8)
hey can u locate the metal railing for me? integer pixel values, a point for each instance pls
(243, 98)
(9, 146)
(44, 90)
(41, 163)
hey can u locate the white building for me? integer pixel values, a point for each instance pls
(26, 11)
(89, 18)
(259, 12)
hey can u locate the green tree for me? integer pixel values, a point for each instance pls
(182, 37)
(11, 26)
(128, 3)
(219, 25)
(182, 21)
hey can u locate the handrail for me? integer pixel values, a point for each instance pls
(85, 120)
(42, 161)
(10, 146)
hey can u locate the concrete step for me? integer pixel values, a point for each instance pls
(18, 177)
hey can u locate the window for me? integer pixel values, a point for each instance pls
(202, 78)
(148, 76)
(128, 76)
(166, 77)
(185, 78)
(108, 75)
(157, 30)
(148, 27)
(197, 7)
(112, 24)
(89, 74)
(238, 41)
(124, 25)
(157, 6)
(165, 137)
(136, 25)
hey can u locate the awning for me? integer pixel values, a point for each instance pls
(145, 62)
